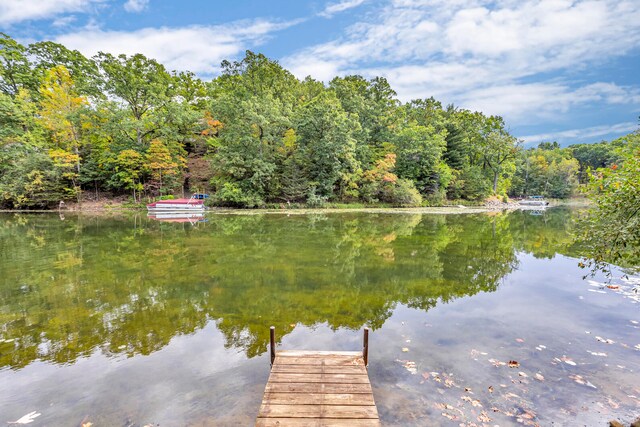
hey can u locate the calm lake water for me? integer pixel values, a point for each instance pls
(126, 321)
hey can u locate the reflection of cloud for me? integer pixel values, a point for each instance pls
(584, 133)
(195, 48)
(484, 54)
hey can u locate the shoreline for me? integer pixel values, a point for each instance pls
(457, 209)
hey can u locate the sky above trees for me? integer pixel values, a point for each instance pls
(555, 70)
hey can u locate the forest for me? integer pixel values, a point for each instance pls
(254, 136)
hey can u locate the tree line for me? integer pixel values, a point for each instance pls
(255, 135)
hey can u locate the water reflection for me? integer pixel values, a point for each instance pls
(129, 285)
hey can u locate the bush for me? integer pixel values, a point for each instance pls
(316, 201)
(404, 194)
(232, 195)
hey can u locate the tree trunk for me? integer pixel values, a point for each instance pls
(495, 181)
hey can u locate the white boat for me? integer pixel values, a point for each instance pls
(534, 201)
(177, 205)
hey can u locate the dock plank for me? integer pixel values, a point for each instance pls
(318, 388)
(360, 399)
(269, 410)
(320, 422)
(319, 369)
(277, 377)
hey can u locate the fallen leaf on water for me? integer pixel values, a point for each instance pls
(484, 417)
(606, 341)
(613, 403)
(539, 377)
(496, 362)
(510, 396)
(522, 374)
(519, 340)
(568, 361)
(580, 380)
(613, 286)
(87, 424)
(451, 417)
(513, 364)
(468, 390)
(405, 349)
(474, 402)
(26, 419)
(490, 389)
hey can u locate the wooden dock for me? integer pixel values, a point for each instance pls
(318, 388)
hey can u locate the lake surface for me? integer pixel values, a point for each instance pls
(126, 321)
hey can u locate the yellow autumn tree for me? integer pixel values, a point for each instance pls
(163, 167)
(64, 162)
(59, 110)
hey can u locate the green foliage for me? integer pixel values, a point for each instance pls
(30, 178)
(230, 194)
(547, 170)
(611, 229)
(255, 135)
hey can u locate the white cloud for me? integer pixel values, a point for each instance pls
(584, 133)
(340, 6)
(64, 21)
(196, 48)
(136, 5)
(485, 54)
(13, 11)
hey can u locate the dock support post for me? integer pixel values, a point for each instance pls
(272, 343)
(365, 347)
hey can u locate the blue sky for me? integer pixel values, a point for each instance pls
(554, 69)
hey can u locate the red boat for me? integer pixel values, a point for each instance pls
(177, 205)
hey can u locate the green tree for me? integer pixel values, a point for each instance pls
(144, 85)
(326, 142)
(611, 229)
(420, 149)
(15, 70)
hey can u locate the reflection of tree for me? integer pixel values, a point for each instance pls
(128, 286)
(544, 234)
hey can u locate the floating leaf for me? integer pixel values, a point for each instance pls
(484, 417)
(496, 362)
(606, 341)
(539, 377)
(513, 364)
(26, 419)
